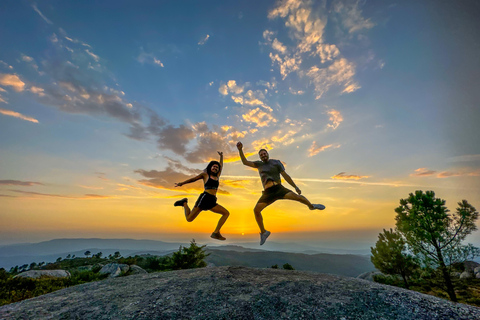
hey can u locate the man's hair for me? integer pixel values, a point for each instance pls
(210, 165)
(262, 150)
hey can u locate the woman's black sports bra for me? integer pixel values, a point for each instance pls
(212, 184)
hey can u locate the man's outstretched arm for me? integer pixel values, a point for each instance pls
(242, 156)
(290, 181)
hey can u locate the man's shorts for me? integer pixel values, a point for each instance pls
(273, 194)
(206, 201)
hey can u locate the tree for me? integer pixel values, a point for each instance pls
(87, 253)
(117, 254)
(390, 257)
(288, 266)
(434, 234)
(191, 257)
(98, 255)
(68, 256)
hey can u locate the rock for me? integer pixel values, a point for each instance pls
(114, 269)
(466, 275)
(36, 274)
(237, 293)
(470, 265)
(134, 269)
(455, 274)
(476, 270)
(477, 275)
(369, 275)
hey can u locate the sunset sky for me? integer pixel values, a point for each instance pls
(104, 105)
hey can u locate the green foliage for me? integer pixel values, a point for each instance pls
(188, 258)
(275, 266)
(390, 257)
(435, 235)
(287, 266)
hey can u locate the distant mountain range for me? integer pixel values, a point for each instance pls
(243, 254)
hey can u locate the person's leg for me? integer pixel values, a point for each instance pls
(258, 215)
(191, 215)
(293, 196)
(224, 212)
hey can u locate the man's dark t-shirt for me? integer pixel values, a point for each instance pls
(269, 170)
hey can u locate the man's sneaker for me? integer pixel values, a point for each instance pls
(180, 203)
(318, 206)
(264, 236)
(218, 236)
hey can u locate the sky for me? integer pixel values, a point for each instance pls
(104, 105)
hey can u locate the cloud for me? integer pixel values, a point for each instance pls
(230, 87)
(344, 176)
(259, 117)
(19, 183)
(12, 80)
(17, 115)
(204, 40)
(463, 172)
(340, 73)
(149, 58)
(351, 16)
(315, 149)
(166, 179)
(34, 6)
(335, 118)
(423, 172)
(175, 139)
(327, 68)
(42, 194)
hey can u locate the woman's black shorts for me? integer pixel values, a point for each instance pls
(273, 194)
(206, 201)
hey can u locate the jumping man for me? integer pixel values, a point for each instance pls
(270, 171)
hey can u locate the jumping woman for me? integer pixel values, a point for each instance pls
(208, 199)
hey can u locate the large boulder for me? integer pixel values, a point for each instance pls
(466, 275)
(114, 269)
(36, 274)
(134, 269)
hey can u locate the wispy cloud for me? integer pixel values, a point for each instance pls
(84, 197)
(465, 172)
(19, 183)
(149, 58)
(34, 6)
(327, 67)
(315, 149)
(465, 158)
(344, 176)
(17, 115)
(335, 118)
(204, 40)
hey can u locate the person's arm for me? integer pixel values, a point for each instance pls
(290, 181)
(221, 163)
(200, 176)
(242, 156)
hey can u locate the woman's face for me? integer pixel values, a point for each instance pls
(215, 168)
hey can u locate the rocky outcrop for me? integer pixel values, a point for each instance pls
(36, 274)
(114, 269)
(236, 293)
(134, 269)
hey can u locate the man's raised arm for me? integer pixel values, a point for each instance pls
(242, 156)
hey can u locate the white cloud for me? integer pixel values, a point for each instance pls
(335, 117)
(12, 80)
(94, 56)
(259, 117)
(204, 40)
(17, 115)
(34, 6)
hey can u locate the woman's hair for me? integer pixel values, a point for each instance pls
(210, 165)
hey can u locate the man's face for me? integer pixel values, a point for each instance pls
(263, 155)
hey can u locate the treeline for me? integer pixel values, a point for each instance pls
(82, 270)
(425, 252)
